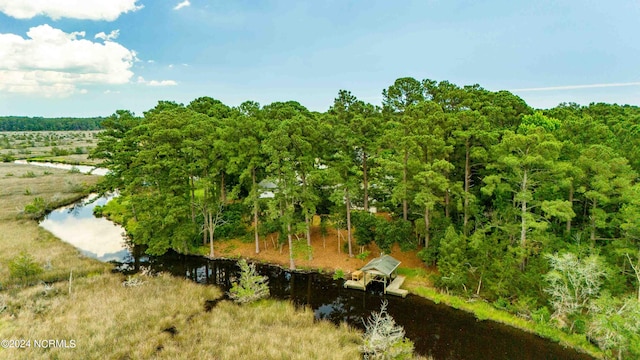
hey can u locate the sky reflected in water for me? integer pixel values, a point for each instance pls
(98, 238)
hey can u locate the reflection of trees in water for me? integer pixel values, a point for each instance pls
(436, 330)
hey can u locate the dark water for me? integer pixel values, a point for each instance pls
(436, 330)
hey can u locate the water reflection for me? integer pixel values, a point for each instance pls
(98, 238)
(438, 331)
(82, 168)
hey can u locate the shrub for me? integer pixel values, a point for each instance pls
(383, 339)
(250, 287)
(28, 174)
(363, 255)
(24, 267)
(36, 208)
(8, 157)
(301, 250)
(365, 227)
(339, 274)
(541, 315)
(55, 151)
(98, 211)
(398, 231)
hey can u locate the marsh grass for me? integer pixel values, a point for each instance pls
(56, 188)
(48, 145)
(165, 318)
(162, 318)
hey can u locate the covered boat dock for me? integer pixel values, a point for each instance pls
(382, 269)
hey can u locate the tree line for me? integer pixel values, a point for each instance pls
(497, 195)
(22, 123)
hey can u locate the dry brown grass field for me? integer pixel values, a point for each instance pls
(162, 318)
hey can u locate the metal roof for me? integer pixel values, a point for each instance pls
(384, 265)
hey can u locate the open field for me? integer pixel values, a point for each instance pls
(162, 318)
(57, 146)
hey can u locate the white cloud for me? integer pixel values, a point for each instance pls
(141, 80)
(53, 63)
(108, 37)
(181, 5)
(162, 83)
(108, 10)
(575, 87)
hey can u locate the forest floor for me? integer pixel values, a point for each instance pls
(329, 253)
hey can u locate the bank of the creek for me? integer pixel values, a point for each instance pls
(436, 330)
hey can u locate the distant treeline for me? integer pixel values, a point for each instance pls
(22, 123)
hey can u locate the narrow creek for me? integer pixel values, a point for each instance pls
(436, 330)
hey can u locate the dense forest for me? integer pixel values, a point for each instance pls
(21, 123)
(537, 212)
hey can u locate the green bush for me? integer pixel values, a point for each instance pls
(391, 232)
(98, 211)
(339, 274)
(24, 268)
(301, 250)
(363, 255)
(36, 208)
(55, 151)
(250, 287)
(364, 224)
(541, 315)
(8, 157)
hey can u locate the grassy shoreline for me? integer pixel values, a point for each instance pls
(418, 284)
(485, 311)
(162, 318)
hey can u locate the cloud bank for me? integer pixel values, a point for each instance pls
(52, 63)
(108, 10)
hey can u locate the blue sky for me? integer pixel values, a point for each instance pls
(92, 57)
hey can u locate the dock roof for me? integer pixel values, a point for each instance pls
(384, 264)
